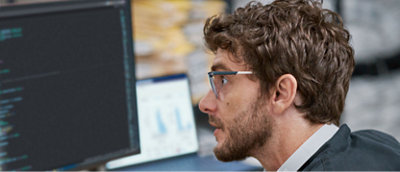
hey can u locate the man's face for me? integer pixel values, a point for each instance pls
(239, 114)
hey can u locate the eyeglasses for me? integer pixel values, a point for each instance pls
(217, 79)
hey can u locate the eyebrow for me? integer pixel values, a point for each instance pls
(220, 66)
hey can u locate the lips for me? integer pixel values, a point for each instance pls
(213, 125)
(216, 131)
(217, 124)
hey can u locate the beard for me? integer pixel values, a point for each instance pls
(249, 130)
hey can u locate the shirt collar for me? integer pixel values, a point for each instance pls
(309, 147)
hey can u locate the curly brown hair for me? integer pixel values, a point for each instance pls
(294, 37)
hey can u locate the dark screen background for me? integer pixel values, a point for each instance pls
(64, 89)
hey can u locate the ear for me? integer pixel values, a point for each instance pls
(284, 93)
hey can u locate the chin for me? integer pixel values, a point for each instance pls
(220, 143)
(225, 155)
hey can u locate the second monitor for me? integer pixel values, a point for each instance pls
(166, 121)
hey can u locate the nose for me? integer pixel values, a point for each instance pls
(207, 103)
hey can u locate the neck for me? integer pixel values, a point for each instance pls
(288, 136)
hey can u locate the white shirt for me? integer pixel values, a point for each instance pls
(309, 147)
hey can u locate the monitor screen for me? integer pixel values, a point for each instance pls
(166, 120)
(67, 85)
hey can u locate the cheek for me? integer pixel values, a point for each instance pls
(233, 101)
(234, 105)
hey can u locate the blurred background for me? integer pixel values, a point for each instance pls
(173, 43)
(168, 39)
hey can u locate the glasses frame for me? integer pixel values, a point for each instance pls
(213, 73)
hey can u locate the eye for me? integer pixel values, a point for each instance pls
(224, 81)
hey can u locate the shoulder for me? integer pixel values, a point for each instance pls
(373, 137)
(361, 150)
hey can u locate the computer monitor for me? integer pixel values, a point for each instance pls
(166, 120)
(67, 84)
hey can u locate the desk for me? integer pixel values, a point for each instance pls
(192, 162)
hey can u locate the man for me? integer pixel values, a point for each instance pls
(279, 81)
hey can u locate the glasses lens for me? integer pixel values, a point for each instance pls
(211, 78)
(217, 83)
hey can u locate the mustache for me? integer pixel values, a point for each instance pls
(216, 121)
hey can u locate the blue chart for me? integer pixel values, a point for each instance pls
(180, 125)
(171, 121)
(160, 124)
(166, 121)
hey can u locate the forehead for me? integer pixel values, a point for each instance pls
(223, 61)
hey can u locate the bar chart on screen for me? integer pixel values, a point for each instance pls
(165, 118)
(166, 121)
